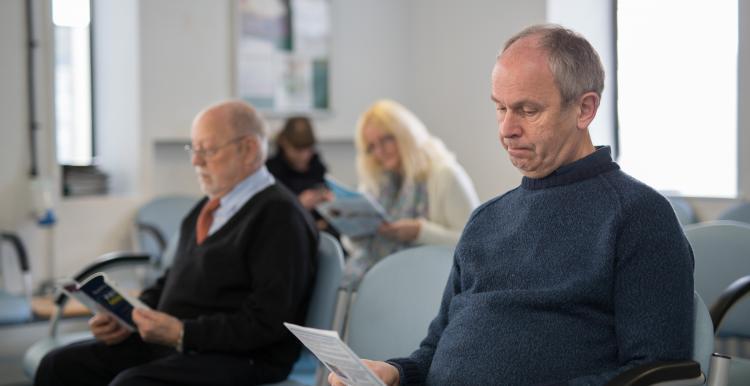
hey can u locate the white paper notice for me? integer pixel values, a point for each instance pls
(335, 355)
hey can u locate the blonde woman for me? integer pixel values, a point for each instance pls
(414, 177)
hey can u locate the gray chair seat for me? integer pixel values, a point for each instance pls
(14, 308)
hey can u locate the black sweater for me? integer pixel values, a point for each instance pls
(297, 182)
(234, 290)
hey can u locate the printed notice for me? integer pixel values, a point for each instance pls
(335, 355)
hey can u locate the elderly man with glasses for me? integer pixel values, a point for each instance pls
(245, 264)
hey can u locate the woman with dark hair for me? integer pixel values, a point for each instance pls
(298, 165)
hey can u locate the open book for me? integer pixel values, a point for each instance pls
(100, 294)
(351, 213)
(335, 355)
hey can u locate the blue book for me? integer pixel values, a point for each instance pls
(100, 294)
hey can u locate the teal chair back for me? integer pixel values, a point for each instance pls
(722, 255)
(322, 308)
(396, 301)
(703, 336)
(159, 219)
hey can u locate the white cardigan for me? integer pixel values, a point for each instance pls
(451, 199)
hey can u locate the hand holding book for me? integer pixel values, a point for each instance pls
(158, 327)
(107, 329)
(405, 229)
(118, 314)
(101, 295)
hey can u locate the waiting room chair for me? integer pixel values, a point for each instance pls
(722, 256)
(396, 301)
(159, 219)
(400, 295)
(16, 308)
(739, 212)
(320, 314)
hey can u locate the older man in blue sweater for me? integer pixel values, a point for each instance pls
(575, 276)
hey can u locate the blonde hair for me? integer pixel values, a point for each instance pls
(417, 148)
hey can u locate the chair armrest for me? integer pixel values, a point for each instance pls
(652, 373)
(23, 259)
(731, 295)
(106, 261)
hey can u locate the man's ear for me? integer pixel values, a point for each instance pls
(252, 148)
(588, 105)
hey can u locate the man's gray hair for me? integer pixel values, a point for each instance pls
(574, 63)
(246, 120)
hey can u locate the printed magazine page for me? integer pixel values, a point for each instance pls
(352, 213)
(335, 355)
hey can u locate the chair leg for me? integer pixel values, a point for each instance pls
(321, 376)
(341, 312)
(719, 372)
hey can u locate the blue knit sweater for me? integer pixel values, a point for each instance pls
(568, 279)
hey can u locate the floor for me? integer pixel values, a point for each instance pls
(15, 339)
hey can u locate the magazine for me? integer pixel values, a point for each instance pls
(352, 213)
(335, 355)
(100, 294)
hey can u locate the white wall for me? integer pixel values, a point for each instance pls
(743, 124)
(453, 49)
(14, 131)
(15, 186)
(13, 107)
(367, 62)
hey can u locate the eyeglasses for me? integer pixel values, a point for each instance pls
(380, 143)
(212, 151)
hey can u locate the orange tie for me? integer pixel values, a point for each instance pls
(205, 218)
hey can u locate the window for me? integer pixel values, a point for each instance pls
(677, 94)
(73, 101)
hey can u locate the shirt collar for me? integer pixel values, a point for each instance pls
(598, 162)
(245, 190)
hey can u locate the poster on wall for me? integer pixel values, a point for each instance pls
(283, 54)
